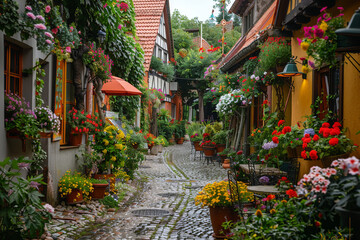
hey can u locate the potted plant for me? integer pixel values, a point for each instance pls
(99, 186)
(180, 132)
(155, 148)
(74, 187)
(208, 146)
(196, 139)
(136, 139)
(220, 140)
(20, 120)
(48, 122)
(162, 142)
(149, 137)
(226, 153)
(275, 53)
(77, 120)
(216, 197)
(327, 144)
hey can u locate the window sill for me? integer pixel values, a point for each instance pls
(68, 147)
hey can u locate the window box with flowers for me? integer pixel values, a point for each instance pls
(48, 122)
(216, 197)
(327, 144)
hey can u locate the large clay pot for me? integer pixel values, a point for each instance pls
(154, 150)
(350, 219)
(75, 139)
(209, 151)
(226, 164)
(110, 177)
(197, 146)
(74, 197)
(99, 190)
(219, 215)
(294, 152)
(305, 166)
(220, 148)
(180, 140)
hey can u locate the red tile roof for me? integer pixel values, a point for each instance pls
(265, 22)
(205, 44)
(148, 14)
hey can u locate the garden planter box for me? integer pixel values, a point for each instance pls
(99, 190)
(45, 134)
(74, 197)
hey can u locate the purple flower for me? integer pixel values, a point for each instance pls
(263, 207)
(319, 32)
(34, 184)
(40, 26)
(312, 64)
(264, 180)
(28, 8)
(31, 15)
(308, 32)
(23, 165)
(269, 145)
(309, 131)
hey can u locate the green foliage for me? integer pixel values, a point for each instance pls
(165, 127)
(221, 137)
(110, 201)
(180, 130)
(195, 127)
(162, 67)
(125, 106)
(10, 18)
(274, 51)
(21, 213)
(132, 160)
(182, 39)
(98, 181)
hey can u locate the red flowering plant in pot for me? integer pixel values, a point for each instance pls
(329, 142)
(79, 121)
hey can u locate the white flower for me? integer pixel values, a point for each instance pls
(265, 73)
(49, 208)
(252, 76)
(257, 78)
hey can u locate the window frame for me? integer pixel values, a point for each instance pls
(7, 71)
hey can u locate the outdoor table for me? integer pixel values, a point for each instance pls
(269, 171)
(263, 189)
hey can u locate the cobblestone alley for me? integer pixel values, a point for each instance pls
(173, 180)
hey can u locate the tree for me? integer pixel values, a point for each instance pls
(182, 39)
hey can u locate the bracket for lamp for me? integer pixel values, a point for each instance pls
(353, 61)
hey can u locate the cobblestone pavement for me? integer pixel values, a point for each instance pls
(173, 180)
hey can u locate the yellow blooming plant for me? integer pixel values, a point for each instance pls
(110, 144)
(75, 180)
(217, 194)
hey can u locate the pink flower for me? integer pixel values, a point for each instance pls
(119, 27)
(71, 28)
(47, 9)
(31, 15)
(48, 41)
(28, 8)
(79, 32)
(105, 5)
(49, 208)
(68, 49)
(340, 15)
(326, 37)
(319, 33)
(323, 9)
(340, 9)
(40, 26)
(319, 19)
(49, 35)
(41, 18)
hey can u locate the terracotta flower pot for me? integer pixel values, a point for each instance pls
(305, 166)
(197, 146)
(75, 139)
(74, 197)
(219, 215)
(220, 148)
(209, 150)
(45, 134)
(99, 190)
(110, 177)
(180, 140)
(226, 164)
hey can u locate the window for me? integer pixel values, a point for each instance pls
(328, 86)
(165, 57)
(64, 97)
(258, 111)
(159, 53)
(248, 20)
(13, 69)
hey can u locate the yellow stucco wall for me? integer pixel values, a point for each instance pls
(302, 95)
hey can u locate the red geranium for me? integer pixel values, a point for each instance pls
(281, 122)
(274, 132)
(275, 139)
(333, 141)
(286, 129)
(239, 152)
(316, 137)
(304, 155)
(291, 193)
(313, 155)
(335, 131)
(336, 124)
(325, 125)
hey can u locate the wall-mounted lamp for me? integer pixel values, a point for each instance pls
(290, 70)
(101, 36)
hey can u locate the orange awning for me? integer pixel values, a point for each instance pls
(120, 87)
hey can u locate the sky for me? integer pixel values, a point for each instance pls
(194, 8)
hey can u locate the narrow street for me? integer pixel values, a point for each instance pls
(173, 180)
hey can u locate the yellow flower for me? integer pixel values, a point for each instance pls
(113, 158)
(119, 146)
(283, 201)
(258, 213)
(323, 26)
(106, 142)
(131, 131)
(104, 151)
(304, 45)
(272, 211)
(305, 69)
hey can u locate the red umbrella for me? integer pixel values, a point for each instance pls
(120, 87)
